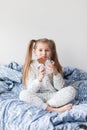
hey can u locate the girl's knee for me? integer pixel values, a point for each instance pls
(72, 90)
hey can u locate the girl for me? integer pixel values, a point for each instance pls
(45, 91)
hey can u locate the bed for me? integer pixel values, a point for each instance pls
(19, 115)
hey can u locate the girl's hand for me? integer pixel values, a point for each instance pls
(41, 73)
(52, 67)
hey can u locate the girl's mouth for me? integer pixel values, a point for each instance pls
(42, 60)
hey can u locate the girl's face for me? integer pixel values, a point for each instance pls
(42, 50)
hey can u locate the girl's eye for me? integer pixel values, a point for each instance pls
(40, 50)
(47, 50)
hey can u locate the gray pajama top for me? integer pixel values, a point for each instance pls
(49, 83)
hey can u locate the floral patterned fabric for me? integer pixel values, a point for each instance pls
(18, 115)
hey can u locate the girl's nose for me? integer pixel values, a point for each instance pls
(44, 53)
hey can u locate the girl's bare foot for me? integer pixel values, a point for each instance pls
(64, 108)
(60, 109)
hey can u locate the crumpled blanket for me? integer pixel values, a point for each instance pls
(18, 115)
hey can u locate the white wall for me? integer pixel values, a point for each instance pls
(64, 21)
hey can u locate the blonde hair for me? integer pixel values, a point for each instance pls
(28, 59)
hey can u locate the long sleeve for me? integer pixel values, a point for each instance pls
(33, 84)
(58, 81)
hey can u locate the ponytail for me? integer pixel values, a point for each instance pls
(28, 60)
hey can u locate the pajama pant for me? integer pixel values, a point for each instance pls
(54, 99)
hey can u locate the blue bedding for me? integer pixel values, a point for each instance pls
(18, 115)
